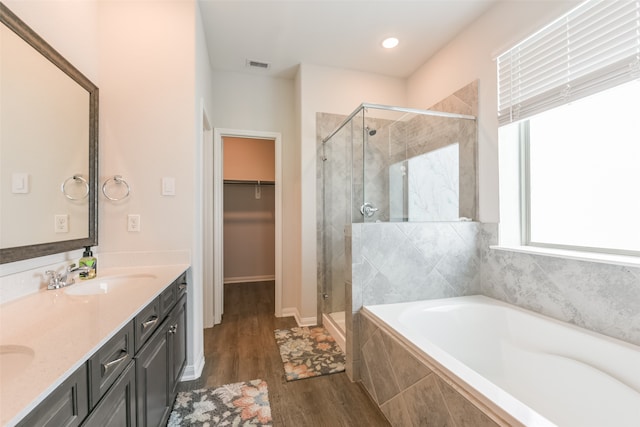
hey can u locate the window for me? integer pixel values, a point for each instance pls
(569, 107)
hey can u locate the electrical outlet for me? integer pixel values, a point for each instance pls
(133, 223)
(61, 224)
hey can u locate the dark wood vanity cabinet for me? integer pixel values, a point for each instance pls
(132, 379)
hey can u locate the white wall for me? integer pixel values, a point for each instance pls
(147, 52)
(471, 56)
(338, 91)
(246, 101)
(203, 105)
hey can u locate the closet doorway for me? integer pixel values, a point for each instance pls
(248, 209)
(247, 213)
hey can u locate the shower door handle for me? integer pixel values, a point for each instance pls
(367, 209)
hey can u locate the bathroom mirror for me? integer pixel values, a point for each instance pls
(48, 148)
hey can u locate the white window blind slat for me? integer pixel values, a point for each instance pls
(592, 48)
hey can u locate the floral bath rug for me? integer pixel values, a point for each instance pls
(309, 352)
(239, 404)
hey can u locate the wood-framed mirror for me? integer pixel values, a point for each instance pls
(48, 148)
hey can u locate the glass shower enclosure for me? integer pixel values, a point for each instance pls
(387, 164)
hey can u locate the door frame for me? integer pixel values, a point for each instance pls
(214, 235)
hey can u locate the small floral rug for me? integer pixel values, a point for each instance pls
(309, 352)
(239, 404)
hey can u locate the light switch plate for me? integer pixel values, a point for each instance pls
(168, 186)
(20, 183)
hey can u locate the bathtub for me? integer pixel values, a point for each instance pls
(534, 370)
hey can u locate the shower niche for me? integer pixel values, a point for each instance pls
(389, 164)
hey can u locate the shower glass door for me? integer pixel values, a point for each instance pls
(338, 172)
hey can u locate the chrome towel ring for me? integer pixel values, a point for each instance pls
(78, 179)
(118, 180)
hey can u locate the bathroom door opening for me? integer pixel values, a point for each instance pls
(248, 188)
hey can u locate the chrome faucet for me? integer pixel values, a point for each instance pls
(57, 280)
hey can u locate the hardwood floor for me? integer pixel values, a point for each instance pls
(243, 348)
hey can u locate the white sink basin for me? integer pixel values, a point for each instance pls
(13, 360)
(106, 284)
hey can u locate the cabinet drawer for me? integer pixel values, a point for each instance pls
(107, 363)
(67, 406)
(167, 300)
(146, 322)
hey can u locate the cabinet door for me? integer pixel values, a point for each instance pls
(177, 340)
(152, 380)
(117, 408)
(66, 406)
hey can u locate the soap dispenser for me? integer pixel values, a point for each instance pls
(88, 260)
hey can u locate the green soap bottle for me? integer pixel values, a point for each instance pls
(88, 260)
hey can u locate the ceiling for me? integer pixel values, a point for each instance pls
(335, 33)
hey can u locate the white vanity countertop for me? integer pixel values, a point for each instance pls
(52, 332)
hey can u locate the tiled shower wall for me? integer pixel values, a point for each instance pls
(399, 262)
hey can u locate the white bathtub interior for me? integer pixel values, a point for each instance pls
(539, 370)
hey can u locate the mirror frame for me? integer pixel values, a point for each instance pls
(19, 253)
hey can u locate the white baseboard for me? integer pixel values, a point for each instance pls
(301, 321)
(193, 372)
(249, 279)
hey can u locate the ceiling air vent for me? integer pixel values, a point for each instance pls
(258, 64)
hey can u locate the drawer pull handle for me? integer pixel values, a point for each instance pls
(173, 329)
(107, 366)
(149, 323)
(182, 288)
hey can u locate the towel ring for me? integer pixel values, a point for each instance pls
(117, 179)
(75, 178)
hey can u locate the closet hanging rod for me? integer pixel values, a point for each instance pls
(248, 182)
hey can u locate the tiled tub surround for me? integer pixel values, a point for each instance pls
(601, 297)
(398, 262)
(409, 388)
(517, 366)
(64, 330)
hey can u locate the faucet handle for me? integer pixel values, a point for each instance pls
(70, 267)
(54, 279)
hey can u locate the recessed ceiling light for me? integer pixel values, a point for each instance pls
(390, 43)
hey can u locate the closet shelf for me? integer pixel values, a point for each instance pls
(248, 182)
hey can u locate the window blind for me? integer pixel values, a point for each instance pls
(594, 47)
